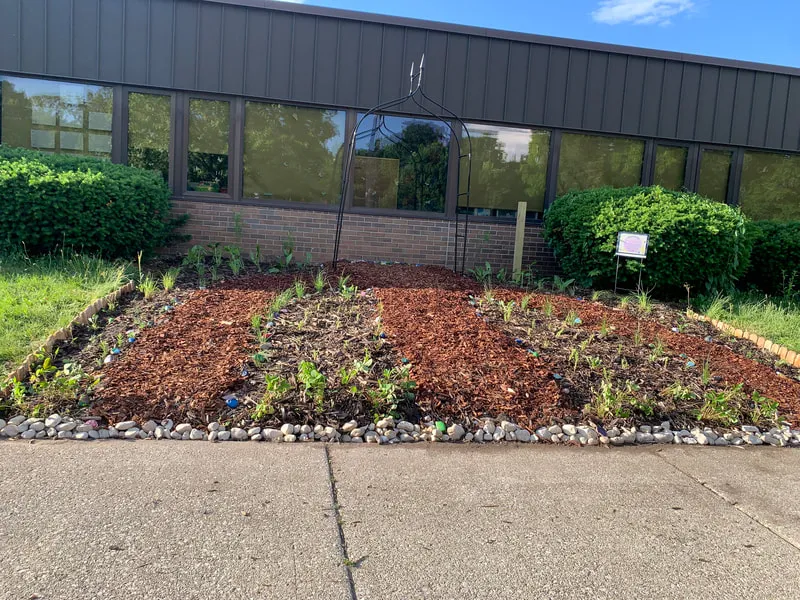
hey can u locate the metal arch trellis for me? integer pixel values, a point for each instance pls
(444, 115)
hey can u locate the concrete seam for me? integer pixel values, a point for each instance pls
(735, 505)
(346, 563)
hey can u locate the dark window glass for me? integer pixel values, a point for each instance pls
(671, 167)
(209, 124)
(770, 186)
(293, 153)
(54, 116)
(715, 170)
(149, 124)
(509, 165)
(592, 161)
(401, 163)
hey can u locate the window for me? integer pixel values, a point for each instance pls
(293, 153)
(770, 186)
(149, 125)
(671, 167)
(508, 166)
(209, 127)
(591, 161)
(715, 171)
(53, 116)
(401, 163)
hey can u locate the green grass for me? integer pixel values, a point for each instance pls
(39, 296)
(777, 319)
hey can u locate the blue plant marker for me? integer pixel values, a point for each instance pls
(578, 321)
(232, 402)
(690, 364)
(683, 356)
(383, 335)
(116, 351)
(675, 330)
(579, 298)
(557, 377)
(131, 339)
(478, 313)
(404, 360)
(709, 338)
(245, 373)
(519, 341)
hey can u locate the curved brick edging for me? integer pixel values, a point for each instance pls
(65, 333)
(790, 356)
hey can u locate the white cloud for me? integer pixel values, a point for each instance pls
(640, 12)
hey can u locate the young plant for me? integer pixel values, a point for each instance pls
(624, 302)
(523, 304)
(288, 250)
(313, 384)
(216, 253)
(575, 357)
(594, 362)
(501, 276)
(764, 411)
(678, 391)
(604, 328)
(214, 270)
(255, 257)
(562, 285)
(571, 319)
(196, 257)
(643, 301)
(637, 335)
(235, 261)
(482, 274)
(170, 278)
(94, 322)
(720, 407)
(319, 281)
(299, 288)
(547, 308)
(507, 308)
(705, 374)
(280, 301)
(657, 350)
(148, 287)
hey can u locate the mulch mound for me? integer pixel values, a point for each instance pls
(180, 368)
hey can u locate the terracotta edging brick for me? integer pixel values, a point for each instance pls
(65, 333)
(791, 357)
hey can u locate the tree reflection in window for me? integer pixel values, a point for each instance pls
(715, 171)
(509, 165)
(149, 125)
(592, 161)
(209, 124)
(401, 163)
(771, 186)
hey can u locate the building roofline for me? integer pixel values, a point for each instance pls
(323, 11)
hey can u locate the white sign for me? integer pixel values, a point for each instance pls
(632, 245)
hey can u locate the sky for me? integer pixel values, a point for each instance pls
(766, 31)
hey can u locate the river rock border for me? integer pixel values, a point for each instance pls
(389, 431)
(790, 356)
(65, 333)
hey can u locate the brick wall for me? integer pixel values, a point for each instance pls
(369, 237)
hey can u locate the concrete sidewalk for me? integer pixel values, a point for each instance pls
(197, 520)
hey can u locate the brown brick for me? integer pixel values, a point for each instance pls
(768, 345)
(791, 356)
(782, 352)
(760, 341)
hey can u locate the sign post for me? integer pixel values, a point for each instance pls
(631, 245)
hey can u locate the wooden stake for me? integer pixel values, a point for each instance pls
(519, 240)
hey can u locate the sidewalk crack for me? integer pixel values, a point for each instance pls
(731, 503)
(346, 562)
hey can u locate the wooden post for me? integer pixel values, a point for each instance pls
(519, 239)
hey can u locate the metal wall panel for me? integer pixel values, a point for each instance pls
(9, 34)
(85, 14)
(307, 54)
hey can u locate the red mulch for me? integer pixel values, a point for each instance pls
(181, 368)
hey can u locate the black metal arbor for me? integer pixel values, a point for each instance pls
(439, 112)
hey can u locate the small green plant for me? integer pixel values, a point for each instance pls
(196, 257)
(507, 308)
(523, 304)
(313, 384)
(346, 290)
(604, 328)
(571, 319)
(216, 253)
(214, 270)
(169, 278)
(288, 250)
(645, 406)
(624, 302)
(482, 274)
(279, 302)
(705, 374)
(235, 262)
(94, 322)
(764, 411)
(255, 257)
(562, 285)
(594, 362)
(596, 295)
(608, 401)
(643, 301)
(299, 288)
(319, 281)
(148, 287)
(501, 275)
(721, 407)
(547, 307)
(105, 348)
(677, 391)
(637, 335)
(656, 350)
(574, 357)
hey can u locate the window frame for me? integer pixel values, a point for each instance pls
(689, 168)
(173, 116)
(234, 147)
(734, 174)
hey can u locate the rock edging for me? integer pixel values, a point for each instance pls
(389, 431)
(790, 356)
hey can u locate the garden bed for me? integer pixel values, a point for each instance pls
(365, 342)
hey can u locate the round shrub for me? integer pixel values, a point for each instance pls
(693, 240)
(775, 260)
(88, 204)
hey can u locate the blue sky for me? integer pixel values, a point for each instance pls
(765, 31)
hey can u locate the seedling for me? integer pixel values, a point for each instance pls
(148, 287)
(523, 304)
(574, 357)
(637, 336)
(319, 281)
(501, 275)
(299, 288)
(764, 410)
(562, 285)
(216, 253)
(313, 384)
(624, 302)
(255, 257)
(169, 278)
(571, 319)
(604, 329)
(657, 350)
(594, 362)
(94, 322)
(507, 308)
(547, 308)
(288, 251)
(705, 374)
(643, 301)
(678, 391)
(482, 274)
(214, 269)
(720, 406)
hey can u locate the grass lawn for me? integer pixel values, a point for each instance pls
(776, 319)
(39, 296)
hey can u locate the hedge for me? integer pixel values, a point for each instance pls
(775, 260)
(87, 204)
(693, 240)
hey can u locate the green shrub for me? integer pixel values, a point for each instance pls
(775, 260)
(693, 240)
(88, 204)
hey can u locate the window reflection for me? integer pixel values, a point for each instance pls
(149, 125)
(671, 167)
(715, 171)
(770, 186)
(401, 163)
(209, 125)
(592, 161)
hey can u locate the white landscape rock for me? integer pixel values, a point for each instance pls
(357, 432)
(150, 426)
(66, 426)
(124, 425)
(456, 432)
(17, 420)
(405, 426)
(132, 433)
(287, 429)
(182, 428)
(569, 429)
(237, 433)
(270, 434)
(349, 426)
(28, 435)
(663, 437)
(223, 436)
(10, 431)
(52, 420)
(523, 435)
(196, 434)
